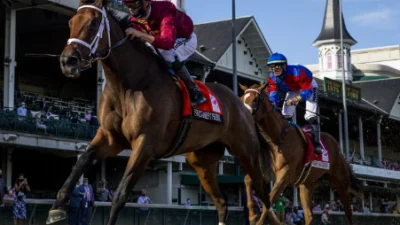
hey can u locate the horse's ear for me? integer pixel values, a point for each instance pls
(263, 86)
(243, 87)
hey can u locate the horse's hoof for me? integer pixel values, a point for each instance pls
(56, 215)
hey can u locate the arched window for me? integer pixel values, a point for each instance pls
(329, 64)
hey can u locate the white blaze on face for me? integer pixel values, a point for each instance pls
(221, 223)
(245, 97)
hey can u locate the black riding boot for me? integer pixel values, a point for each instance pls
(316, 129)
(196, 97)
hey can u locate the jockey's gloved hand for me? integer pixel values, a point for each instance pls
(177, 65)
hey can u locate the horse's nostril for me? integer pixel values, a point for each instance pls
(72, 61)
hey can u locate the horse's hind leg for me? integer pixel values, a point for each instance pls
(205, 162)
(306, 203)
(251, 163)
(138, 161)
(98, 149)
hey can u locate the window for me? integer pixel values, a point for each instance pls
(329, 64)
(339, 62)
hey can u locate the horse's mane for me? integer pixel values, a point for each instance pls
(122, 19)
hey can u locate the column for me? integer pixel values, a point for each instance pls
(101, 82)
(9, 56)
(361, 135)
(341, 132)
(331, 195)
(378, 129)
(221, 168)
(169, 183)
(9, 181)
(180, 166)
(370, 202)
(295, 197)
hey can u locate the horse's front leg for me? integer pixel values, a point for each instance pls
(98, 149)
(142, 153)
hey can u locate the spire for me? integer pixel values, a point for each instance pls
(331, 26)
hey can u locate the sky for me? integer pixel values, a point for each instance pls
(291, 26)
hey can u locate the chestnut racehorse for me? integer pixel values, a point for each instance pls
(140, 109)
(289, 156)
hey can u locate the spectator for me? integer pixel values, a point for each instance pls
(87, 202)
(188, 203)
(39, 124)
(75, 205)
(297, 216)
(88, 116)
(366, 208)
(333, 206)
(22, 111)
(325, 217)
(280, 207)
(143, 199)
(339, 206)
(9, 198)
(21, 187)
(383, 206)
(317, 208)
(103, 193)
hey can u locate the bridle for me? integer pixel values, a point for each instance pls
(259, 100)
(94, 55)
(278, 141)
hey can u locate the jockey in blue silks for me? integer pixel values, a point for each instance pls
(298, 83)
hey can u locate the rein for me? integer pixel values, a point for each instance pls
(278, 141)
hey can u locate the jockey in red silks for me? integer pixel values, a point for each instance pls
(169, 30)
(298, 83)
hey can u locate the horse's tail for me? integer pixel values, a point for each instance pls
(266, 154)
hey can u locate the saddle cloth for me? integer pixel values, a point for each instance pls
(320, 161)
(210, 110)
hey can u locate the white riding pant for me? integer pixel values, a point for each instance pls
(311, 103)
(183, 49)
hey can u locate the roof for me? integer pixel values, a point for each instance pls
(331, 25)
(200, 58)
(213, 38)
(380, 93)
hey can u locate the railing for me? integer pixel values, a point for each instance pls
(10, 121)
(160, 214)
